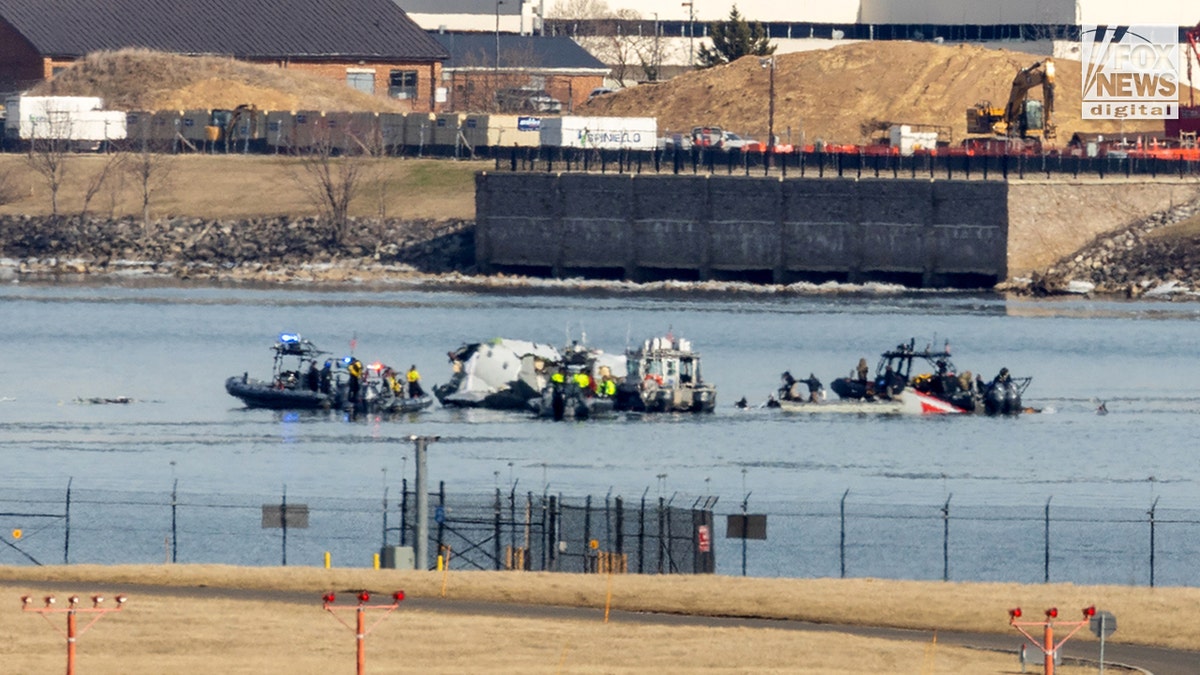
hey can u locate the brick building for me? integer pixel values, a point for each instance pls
(498, 72)
(370, 45)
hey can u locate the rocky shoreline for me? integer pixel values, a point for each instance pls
(1131, 263)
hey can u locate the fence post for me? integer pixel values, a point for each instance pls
(496, 534)
(587, 533)
(661, 527)
(552, 533)
(174, 531)
(642, 535)
(1151, 513)
(513, 517)
(620, 517)
(67, 525)
(441, 526)
(842, 544)
(1047, 575)
(403, 511)
(946, 538)
(283, 523)
(385, 514)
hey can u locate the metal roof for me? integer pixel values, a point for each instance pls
(276, 29)
(477, 50)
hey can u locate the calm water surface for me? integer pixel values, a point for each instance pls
(171, 348)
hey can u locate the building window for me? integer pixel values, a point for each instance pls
(364, 82)
(402, 84)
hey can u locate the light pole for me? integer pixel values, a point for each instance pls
(496, 64)
(655, 59)
(691, 32)
(770, 63)
(421, 540)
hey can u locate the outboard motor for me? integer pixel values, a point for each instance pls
(1012, 399)
(993, 399)
(1003, 398)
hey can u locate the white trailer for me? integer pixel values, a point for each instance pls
(606, 133)
(74, 118)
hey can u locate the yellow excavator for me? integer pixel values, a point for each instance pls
(1022, 117)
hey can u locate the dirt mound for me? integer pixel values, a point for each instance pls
(138, 79)
(848, 93)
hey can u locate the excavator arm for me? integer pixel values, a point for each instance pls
(1014, 119)
(1040, 74)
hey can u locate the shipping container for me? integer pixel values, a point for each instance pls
(605, 133)
(76, 118)
(502, 131)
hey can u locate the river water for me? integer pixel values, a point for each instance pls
(169, 348)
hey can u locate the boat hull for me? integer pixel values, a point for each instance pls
(259, 394)
(907, 402)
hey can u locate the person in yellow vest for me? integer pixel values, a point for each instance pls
(558, 379)
(392, 382)
(583, 381)
(414, 383)
(610, 386)
(355, 370)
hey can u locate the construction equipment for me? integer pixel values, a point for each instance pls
(1022, 117)
(1188, 125)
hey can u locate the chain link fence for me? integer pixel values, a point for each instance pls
(1152, 546)
(845, 164)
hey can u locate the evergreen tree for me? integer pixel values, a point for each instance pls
(734, 38)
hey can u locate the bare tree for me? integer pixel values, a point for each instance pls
(152, 172)
(49, 152)
(9, 192)
(110, 169)
(333, 178)
(580, 9)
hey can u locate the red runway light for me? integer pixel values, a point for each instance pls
(1015, 612)
(398, 596)
(1052, 612)
(328, 598)
(1089, 611)
(363, 596)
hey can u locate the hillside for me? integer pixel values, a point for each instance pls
(844, 94)
(139, 79)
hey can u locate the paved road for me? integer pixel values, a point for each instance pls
(1151, 660)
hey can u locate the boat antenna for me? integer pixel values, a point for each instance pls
(628, 335)
(353, 342)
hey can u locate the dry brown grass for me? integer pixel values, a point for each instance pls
(236, 186)
(140, 79)
(165, 634)
(840, 94)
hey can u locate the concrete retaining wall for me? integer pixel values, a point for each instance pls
(918, 232)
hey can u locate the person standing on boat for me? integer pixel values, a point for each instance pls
(787, 390)
(862, 370)
(313, 377)
(414, 383)
(327, 377)
(814, 388)
(355, 370)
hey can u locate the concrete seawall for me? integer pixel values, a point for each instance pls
(922, 233)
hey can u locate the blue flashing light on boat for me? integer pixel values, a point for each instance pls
(289, 338)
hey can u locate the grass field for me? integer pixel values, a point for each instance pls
(242, 186)
(183, 634)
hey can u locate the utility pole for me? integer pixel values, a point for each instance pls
(656, 61)
(421, 540)
(691, 34)
(496, 63)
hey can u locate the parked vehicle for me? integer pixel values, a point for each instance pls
(527, 101)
